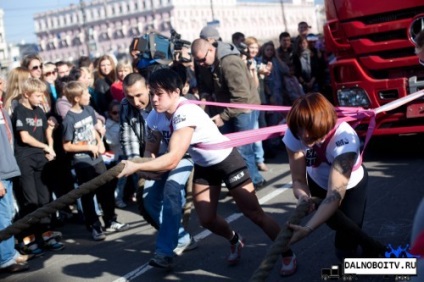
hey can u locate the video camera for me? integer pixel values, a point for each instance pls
(153, 48)
(242, 48)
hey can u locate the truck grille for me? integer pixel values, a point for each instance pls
(392, 16)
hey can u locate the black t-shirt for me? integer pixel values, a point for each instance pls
(78, 128)
(33, 121)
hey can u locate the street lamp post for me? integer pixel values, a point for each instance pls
(284, 15)
(213, 15)
(85, 28)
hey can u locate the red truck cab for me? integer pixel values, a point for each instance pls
(375, 61)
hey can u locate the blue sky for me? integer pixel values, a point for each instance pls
(18, 16)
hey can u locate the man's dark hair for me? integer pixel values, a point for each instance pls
(165, 79)
(61, 63)
(283, 35)
(236, 36)
(84, 61)
(132, 78)
(420, 40)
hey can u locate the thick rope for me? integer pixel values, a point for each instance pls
(68, 199)
(279, 244)
(372, 247)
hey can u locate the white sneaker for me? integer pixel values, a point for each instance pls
(235, 253)
(97, 233)
(116, 226)
(181, 248)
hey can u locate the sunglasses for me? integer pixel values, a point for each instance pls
(49, 73)
(37, 67)
(114, 112)
(203, 59)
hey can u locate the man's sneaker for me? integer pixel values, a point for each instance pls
(288, 265)
(235, 254)
(24, 258)
(161, 261)
(53, 245)
(97, 233)
(116, 226)
(57, 235)
(31, 249)
(191, 245)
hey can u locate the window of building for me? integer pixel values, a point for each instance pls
(76, 41)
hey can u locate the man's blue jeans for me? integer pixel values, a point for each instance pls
(8, 253)
(164, 200)
(242, 122)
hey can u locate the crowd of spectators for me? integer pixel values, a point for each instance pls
(54, 154)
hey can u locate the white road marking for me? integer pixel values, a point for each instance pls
(205, 233)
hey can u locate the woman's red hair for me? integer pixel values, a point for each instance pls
(312, 113)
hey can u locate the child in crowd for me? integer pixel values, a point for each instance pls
(82, 140)
(33, 149)
(112, 139)
(122, 70)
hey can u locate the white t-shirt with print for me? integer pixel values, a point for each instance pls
(205, 131)
(159, 122)
(343, 141)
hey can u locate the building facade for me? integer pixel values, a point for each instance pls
(3, 45)
(108, 26)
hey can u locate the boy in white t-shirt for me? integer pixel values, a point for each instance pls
(190, 125)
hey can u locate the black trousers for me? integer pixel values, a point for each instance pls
(353, 206)
(31, 191)
(104, 194)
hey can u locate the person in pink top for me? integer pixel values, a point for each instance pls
(122, 70)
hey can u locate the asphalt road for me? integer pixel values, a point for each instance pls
(396, 169)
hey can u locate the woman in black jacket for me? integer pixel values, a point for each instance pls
(106, 75)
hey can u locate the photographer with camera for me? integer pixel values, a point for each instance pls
(228, 78)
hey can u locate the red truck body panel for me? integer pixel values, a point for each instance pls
(374, 51)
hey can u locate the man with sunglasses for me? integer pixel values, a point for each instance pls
(229, 80)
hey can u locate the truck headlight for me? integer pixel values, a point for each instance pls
(353, 97)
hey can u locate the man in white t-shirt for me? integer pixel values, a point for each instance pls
(191, 126)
